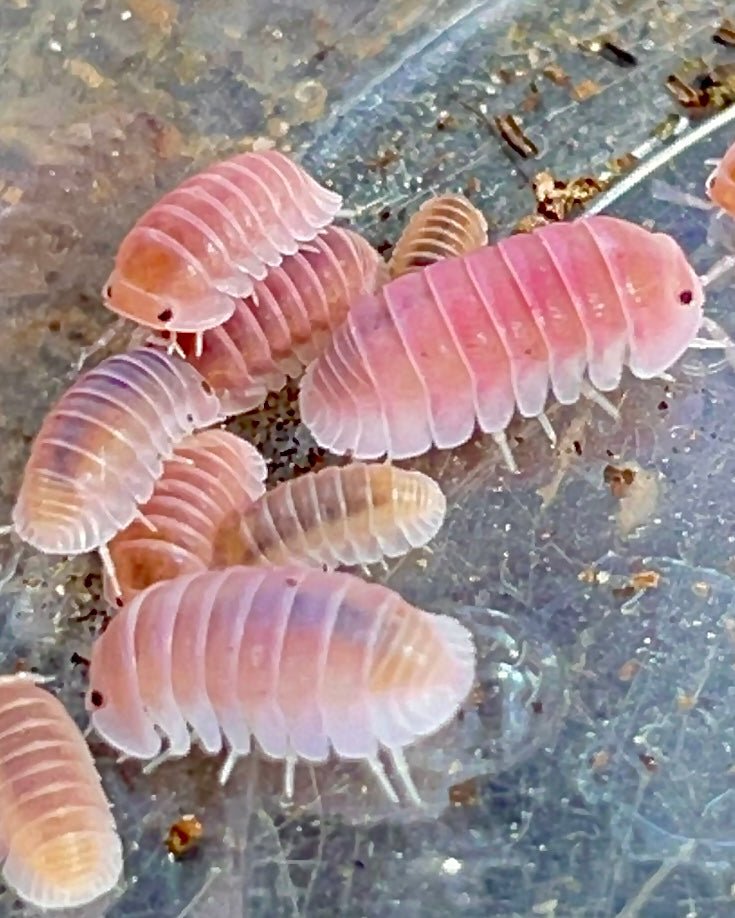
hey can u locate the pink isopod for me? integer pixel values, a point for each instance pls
(359, 514)
(287, 320)
(471, 340)
(210, 239)
(211, 479)
(302, 661)
(100, 450)
(57, 835)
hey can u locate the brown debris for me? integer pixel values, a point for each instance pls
(725, 34)
(619, 480)
(585, 90)
(646, 580)
(702, 92)
(465, 794)
(183, 836)
(511, 130)
(557, 198)
(648, 762)
(629, 670)
(161, 14)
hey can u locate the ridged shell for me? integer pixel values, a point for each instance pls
(213, 476)
(471, 340)
(57, 834)
(721, 184)
(212, 238)
(443, 227)
(297, 659)
(101, 448)
(358, 514)
(288, 320)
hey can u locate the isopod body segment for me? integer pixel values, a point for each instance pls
(301, 661)
(57, 835)
(470, 340)
(210, 239)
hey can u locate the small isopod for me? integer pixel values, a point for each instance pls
(57, 835)
(210, 239)
(288, 320)
(302, 661)
(355, 515)
(101, 448)
(212, 475)
(443, 227)
(471, 340)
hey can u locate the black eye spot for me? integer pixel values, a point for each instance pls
(190, 418)
(686, 296)
(108, 291)
(207, 388)
(165, 316)
(118, 602)
(96, 699)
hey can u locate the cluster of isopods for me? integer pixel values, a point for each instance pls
(231, 625)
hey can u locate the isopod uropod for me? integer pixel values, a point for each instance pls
(287, 320)
(301, 661)
(101, 448)
(212, 476)
(57, 835)
(470, 340)
(443, 227)
(211, 238)
(355, 515)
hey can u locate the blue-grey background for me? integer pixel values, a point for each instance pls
(594, 770)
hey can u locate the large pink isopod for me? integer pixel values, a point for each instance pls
(303, 662)
(210, 239)
(210, 481)
(100, 450)
(57, 835)
(287, 320)
(471, 340)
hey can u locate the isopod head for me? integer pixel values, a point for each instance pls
(721, 183)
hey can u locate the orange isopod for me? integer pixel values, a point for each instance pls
(211, 476)
(721, 183)
(443, 227)
(57, 835)
(355, 515)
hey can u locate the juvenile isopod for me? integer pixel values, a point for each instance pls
(212, 476)
(101, 448)
(210, 239)
(288, 319)
(355, 515)
(57, 835)
(470, 340)
(443, 227)
(302, 661)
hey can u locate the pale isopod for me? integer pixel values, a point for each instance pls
(300, 660)
(471, 340)
(287, 321)
(212, 476)
(355, 515)
(207, 241)
(101, 448)
(57, 835)
(443, 227)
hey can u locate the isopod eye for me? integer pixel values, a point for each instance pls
(96, 699)
(686, 296)
(165, 316)
(206, 387)
(108, 291)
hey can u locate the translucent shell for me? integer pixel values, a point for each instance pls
(288, 319)
(101, 448)
(212, 477)
(57, 835)
(470, 340)
(443, 227)
(301, 661)
(211, 238)
(721, 184)
(355, 515)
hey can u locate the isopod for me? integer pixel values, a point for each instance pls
(470, 340)
(288, 319)
(443, 227)
(355, 515)
(721, 183)
(101, 448)
(302, 661)
(57, 835)
(210, 239)
(212, 475)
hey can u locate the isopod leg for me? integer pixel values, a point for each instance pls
(151, 527)
(109, 565)
(546, 427)
(159, 760)
(198, 343)
(402, 770)
(673, 195)
(175, 348)
(226, 770)
(6, 530)
(502, 442)
(377, 769)
(720, 267)
(598, 398)
(289, 777)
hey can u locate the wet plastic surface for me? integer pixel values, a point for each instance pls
(592, 771)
